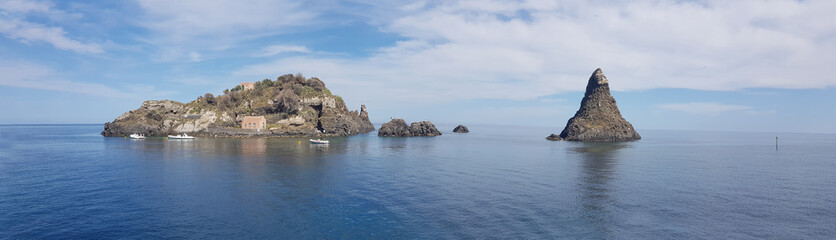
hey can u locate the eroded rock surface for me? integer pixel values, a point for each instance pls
(398, 128)
(461, 129)
(598, 119)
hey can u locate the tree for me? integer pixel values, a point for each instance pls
(210, 99)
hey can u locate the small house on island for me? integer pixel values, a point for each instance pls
(254, 122)
(248, 86)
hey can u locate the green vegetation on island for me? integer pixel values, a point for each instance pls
(292, 105)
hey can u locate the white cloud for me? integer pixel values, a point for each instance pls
(30, 32)
(34, 76)
(527, 49)
(182, 20)
(13, 25)
(274, 50)
(24, 6)
(181, 30)
(707, 108)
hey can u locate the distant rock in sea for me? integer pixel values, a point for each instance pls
(598, 119)
(398, 128)
(461, 129)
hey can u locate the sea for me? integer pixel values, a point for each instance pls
(496, 182)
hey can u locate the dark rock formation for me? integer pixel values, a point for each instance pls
(461, 129)
(398, 128)
(423, 128)
(395, 128)
(598, 119)
(151, 119)
(333, 121)
(292, 105)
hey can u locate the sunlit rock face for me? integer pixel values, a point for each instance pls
(598, 119)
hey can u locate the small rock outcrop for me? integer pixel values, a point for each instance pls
(598, 119)
(398, 128)
(423, 129)
(461, 129)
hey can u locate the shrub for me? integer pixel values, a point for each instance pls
(315, 83)
(267, 83)
(210, 99)
(299, 79)
(285, 78)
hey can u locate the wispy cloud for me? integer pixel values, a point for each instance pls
(274, 50)
(34, 76)
(24, 6)
(527, 49)
(188, 19)
(707, 108)
(182, 29)
(30, 32)
(13, 24)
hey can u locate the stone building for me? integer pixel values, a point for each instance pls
(248, 86)
(254, 122)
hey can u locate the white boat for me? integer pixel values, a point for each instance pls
(318, 141)
(137, 136)
(181, 136)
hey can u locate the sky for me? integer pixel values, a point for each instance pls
(762, 65)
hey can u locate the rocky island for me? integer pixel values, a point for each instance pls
(397, 128)
(598, 119)
(461, 129)
(290, 106)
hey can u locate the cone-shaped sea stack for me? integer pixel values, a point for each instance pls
(598, 119)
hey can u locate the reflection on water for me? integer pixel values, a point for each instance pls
(496, 183)
(595, 191)
(253, 146)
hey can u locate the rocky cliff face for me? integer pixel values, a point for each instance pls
(398, 128)
(292, 105)
(598, 119)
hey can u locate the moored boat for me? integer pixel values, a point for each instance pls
(137, 136)
(181, 136)
(318, 141)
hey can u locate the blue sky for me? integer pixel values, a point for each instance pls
(690, 65)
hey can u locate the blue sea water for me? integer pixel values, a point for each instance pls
(68, 182)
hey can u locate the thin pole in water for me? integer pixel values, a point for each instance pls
(776, 143)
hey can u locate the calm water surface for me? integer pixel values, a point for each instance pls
(495, 182)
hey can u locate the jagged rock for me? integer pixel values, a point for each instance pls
(598, 119)
(395, 128)
(553, 137)
(423, 128)
(398, 128)
(153, 118)
(292, 106)
(461, 129)
(337, 121)
(364, 115)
